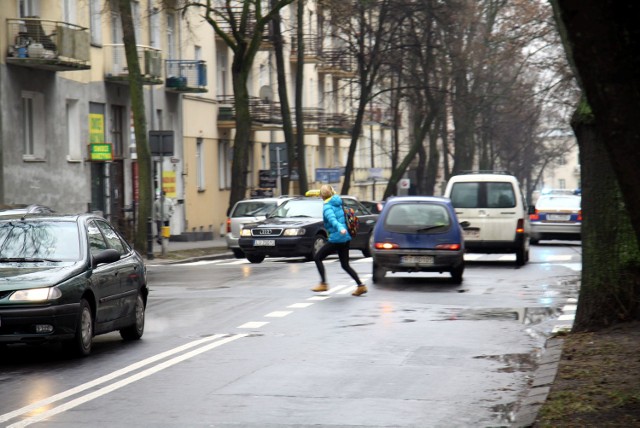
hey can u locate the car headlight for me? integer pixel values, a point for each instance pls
(36, 295)
(245, 232)
(293, 232)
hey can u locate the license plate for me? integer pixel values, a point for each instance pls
(471, 233)
(416, 260)
(264, 243)
(558, 217)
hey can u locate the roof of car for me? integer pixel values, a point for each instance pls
(49, 216)
(415, 198)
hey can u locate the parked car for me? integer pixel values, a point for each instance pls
(418, 234)
(24, 209)
(68, 278)
(497, 212)
(247, 211)
(556, 216)
(374, 206)
(296, 229)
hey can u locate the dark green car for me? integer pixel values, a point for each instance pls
(68, 278)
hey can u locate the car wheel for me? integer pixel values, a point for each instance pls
(80, 345)
(318, 243)
(521, 256)
(378, 273)
(134, 331)
(534, 239)
(238, 254)
(255, 258)
(456, 274)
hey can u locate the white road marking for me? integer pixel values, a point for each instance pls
(566, 317)
(347, 290)
(472, 257)
(106, 378)
(319, 297)
(300, 305)
(558, 258)
(124, 382)
(278, 314)
(568, 308)
(254, 324)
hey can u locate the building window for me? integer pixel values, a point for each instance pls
(562, 183)
(200, 164)
(221, 70)
(28, 8)
(224, 163)
(33, 125)
(117, 130)
(95, 13)
(171, 30)
(73, 131)
(155, 29)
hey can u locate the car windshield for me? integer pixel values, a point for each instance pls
(39, 240)
(253, 208)
(418, 216)
(558, 203)
(299, 208)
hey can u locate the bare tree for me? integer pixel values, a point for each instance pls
(241, 25)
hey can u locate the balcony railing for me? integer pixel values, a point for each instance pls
(311, 48)
(185, 75)
(222, 18)
(336, 62)
(47, 45)
(116, 69)
(263, 113)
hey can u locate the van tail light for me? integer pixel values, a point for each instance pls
(451, 247)
(386, 246)
(535, 216)
(228, 225)
(520, 226)
(580, 215)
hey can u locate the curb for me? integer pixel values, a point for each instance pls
(543, 379)
(161, 261)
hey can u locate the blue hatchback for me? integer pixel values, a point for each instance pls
(418, 234)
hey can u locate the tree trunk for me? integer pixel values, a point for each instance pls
(239, 165)
(287, 125)
(140, 125)
(610, 289)
(303, 183)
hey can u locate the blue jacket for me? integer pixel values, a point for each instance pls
(334, 221)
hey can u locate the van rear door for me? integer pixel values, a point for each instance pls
(490, 208)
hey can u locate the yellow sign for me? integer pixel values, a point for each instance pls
(96, 128)
(169, 183)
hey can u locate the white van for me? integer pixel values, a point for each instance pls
(496, 210)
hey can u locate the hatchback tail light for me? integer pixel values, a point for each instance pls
(580, 215)
(386, 246)
(228, 225)
(535, 216)
(520, 226)
(451, 247)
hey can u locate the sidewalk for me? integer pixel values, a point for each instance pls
(178, 251)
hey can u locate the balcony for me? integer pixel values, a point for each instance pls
(336, 62)
(116, 70)
(187, 76)
(223, 20)
(311, 49)
(263, 114)
(338, 125)
(47, 45)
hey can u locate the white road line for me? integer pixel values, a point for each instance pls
(278, 314)
(566, 317)
(471, 257)
(320, 297)
(106, 378)
(254, 324)
(347, 290)
(567, 308)
(300, 305)
(124, 382)
(336, 290)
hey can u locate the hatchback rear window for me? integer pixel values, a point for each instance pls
(417, 217)
(252, 209)
(483, 195)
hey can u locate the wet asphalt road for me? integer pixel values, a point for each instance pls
(233, 344)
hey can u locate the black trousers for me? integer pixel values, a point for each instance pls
(343, 253)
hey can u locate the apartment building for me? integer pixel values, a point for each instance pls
(66, 128)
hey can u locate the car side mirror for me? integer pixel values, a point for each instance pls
(105, 256)
(465, 224)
